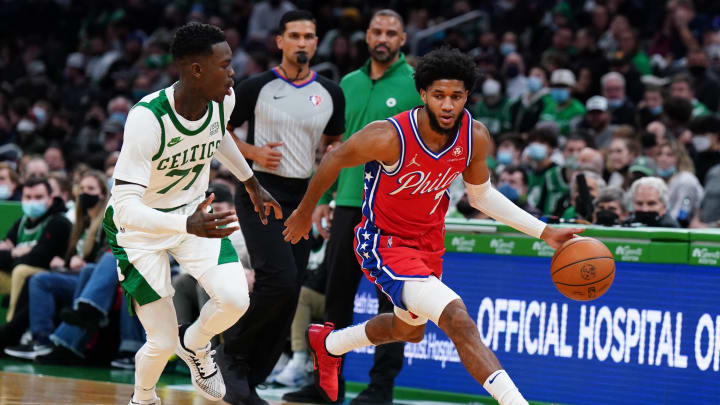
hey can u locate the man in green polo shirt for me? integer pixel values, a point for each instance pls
(381, 88)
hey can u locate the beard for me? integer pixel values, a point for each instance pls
(383, 56)
(435, 124)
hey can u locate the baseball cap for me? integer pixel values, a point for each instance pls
(596, 103)
(644, 165)
(563, 77)
(75, 60)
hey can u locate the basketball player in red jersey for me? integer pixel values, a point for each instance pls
(410, 160)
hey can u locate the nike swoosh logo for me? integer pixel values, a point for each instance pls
(278, 97)
(494, 377)
(174, 142)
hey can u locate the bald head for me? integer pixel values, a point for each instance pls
(591, 159)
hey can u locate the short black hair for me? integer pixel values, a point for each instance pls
(36, 180)
(517, 169)
(195, 39)
(445, 63)
(543, 135)
(678, 109)
(295, 15)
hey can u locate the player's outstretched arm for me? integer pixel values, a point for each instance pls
(377, 141)
(483, 196)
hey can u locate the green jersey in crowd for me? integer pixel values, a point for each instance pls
(565, 117)
(368, 100)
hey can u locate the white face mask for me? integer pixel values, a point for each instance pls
(701, 142)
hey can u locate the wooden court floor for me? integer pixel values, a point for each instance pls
(31, 389)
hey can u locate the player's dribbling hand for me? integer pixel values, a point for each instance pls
(297, 226)
(555, 237)
(204, 224)
(262, 200)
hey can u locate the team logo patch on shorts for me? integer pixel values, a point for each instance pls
(316, 100)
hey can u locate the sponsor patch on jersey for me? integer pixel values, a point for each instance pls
(174, 141)
(316, 100)
(457, 151)
(391, 102)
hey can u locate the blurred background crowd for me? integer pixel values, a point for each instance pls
(602, 111)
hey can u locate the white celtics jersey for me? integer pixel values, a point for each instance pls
(168, 154)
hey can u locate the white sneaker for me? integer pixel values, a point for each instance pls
(155, 401)
(294, 374)
(279, 366)
(204, 373)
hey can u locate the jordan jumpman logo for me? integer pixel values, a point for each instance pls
(413, 162)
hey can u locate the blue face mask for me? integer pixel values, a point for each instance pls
(4, 192)
(560, 95)
(537, 152)
(666, 173)
(509, 192)
(507, 48)
(34, 209)
(534, 84)
(614, 103)
(657, 110)
(504, 157)
(111, 182)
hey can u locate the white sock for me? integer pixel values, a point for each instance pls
(299, 357)
(501, 387)
(339, 342)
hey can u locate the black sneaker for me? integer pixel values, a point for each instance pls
(85, 316)
(60, 355)
(373, 396)
(254, 398)
(234, 372)
(125, 361)
(310, 394)
(29, 351)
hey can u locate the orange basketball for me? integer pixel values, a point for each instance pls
(582, 269)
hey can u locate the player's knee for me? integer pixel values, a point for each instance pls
(236, 304)
(163, 344)
(455, 318)
(411, 335)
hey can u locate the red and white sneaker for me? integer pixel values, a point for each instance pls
(326, 367)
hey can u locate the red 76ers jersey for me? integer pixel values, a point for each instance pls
(412, 199)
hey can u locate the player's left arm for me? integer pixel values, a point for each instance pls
(230, 156)
(483, 196)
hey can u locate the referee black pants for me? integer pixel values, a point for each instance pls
(256, 341)
(344, 275)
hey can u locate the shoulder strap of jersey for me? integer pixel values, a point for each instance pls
(158, 112)
(221, 109)
(469, 118)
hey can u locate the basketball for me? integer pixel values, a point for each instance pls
(582, 269)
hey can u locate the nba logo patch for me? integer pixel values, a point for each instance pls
(457, 151)
(315, 100)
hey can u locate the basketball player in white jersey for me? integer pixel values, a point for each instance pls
(158, 206)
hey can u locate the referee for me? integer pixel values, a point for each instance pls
(381, 88)
(291, 111)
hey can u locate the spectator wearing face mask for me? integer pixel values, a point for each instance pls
(10, 189)
(613, 89)
(525, 112)
(706, 142)
(547, 184)
(509, 149)
(513, 184)
(649, 196)
(566, 111)
(574, 143)
(609, 207)
(706, 83)
(650, 108)
(597, 121)
(493, 109)
(684, 190)
(516, 83)
(39, 235)
(584, 188)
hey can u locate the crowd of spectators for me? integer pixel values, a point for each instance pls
(602, 111)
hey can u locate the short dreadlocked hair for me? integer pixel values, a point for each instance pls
(195, 39)
(445, 63)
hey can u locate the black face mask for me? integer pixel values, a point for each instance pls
(512, 71)
(649, 218)
(606, 218)
(88, 200)
(697, 70)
